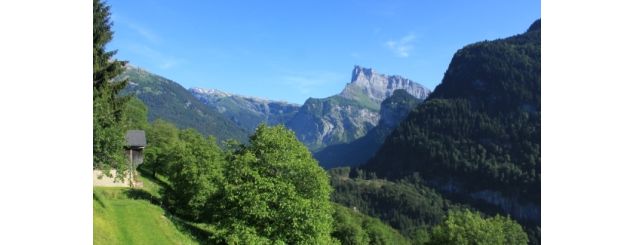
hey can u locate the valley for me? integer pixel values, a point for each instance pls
(384, 161)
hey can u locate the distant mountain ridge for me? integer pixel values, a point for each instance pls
(350, 114)
(169, 101)
(247, 112)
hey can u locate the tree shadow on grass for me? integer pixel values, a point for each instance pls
(143, 195)
(148, 174)
(200, 235)
(98, 199)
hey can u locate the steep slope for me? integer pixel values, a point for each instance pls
(246, 112)
(393, 109)
(477, 136)
(169, 101)
(351, 114)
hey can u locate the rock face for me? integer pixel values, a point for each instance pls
(351, 114)
(377, 87)
(246, 112)
(393, 110)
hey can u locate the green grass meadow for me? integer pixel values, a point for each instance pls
(131, 216)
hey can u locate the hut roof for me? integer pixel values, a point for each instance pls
(135, 138)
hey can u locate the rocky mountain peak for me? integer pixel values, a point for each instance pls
(366, 82)
(361, 73)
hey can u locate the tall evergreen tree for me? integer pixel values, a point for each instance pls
(108, 106)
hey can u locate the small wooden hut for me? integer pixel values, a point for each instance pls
(135, 142)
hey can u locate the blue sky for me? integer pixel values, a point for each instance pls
(293, 50)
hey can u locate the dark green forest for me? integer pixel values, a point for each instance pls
(477, 136)
(481, 125)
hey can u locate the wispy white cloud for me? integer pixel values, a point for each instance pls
(144, 32)
(160, 59)
(402, 47)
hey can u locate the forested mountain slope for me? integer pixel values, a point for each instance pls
(393, 110)
(477, 136)
(169, 101)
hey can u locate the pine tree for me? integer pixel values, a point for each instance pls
(108, 106)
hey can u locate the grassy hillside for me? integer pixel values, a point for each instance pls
(120, 219)
(132, 216)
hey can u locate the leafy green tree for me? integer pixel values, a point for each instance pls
(136, 114)
(419, 236)
(108, 139)
(273, 190)
(465, 227)
(194, 169)
(108, 106)
(347, 229)
(354, 228)
(514, 233)
(162, 137)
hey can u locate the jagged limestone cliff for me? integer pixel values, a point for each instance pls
(351, 114)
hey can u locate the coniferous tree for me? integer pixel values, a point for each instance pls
(108, 106)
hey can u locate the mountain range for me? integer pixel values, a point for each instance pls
(246, 112)
(318, 123)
